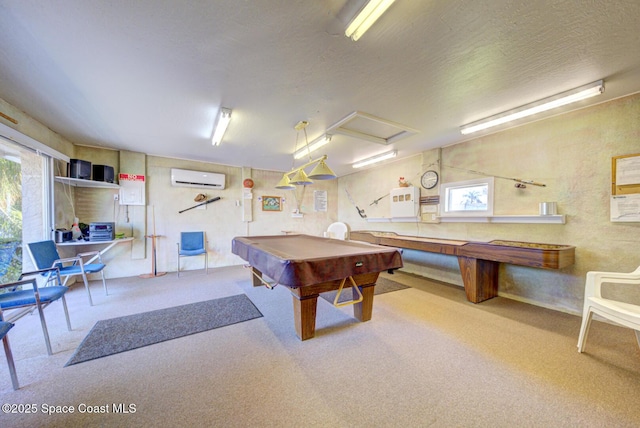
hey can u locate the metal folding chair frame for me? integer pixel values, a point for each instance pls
(37, 304)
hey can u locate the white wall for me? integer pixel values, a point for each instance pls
(571, 154)
(221, 220)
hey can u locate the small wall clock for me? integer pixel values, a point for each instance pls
(429, 179)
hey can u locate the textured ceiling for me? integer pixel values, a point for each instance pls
(150, 75)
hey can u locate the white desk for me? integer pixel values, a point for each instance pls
(109, 245)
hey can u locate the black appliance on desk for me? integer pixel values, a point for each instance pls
(101, 231)
(63, 235)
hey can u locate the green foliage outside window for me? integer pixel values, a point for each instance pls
(10, 221)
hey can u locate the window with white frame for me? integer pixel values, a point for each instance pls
(37, 183)
(471, 198)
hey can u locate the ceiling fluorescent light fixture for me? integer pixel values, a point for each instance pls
(375, 159)
(366, 17)
(577, 94)
(222, 122)
(313, 146)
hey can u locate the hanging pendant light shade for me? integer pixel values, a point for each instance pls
(285, 184)
(301, 178)
(322, 172)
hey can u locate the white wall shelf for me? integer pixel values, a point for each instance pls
(78, 182)
(503, 219)
(536, 219)
(394, 220)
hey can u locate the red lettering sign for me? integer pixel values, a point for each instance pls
(131, 177)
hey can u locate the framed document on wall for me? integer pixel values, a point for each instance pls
(625, 188)
(625, 174)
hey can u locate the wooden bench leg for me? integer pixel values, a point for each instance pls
(480, 278)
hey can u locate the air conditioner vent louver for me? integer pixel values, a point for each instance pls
(194, 184)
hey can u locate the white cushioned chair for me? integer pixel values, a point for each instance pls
(622, 313)
(338, 230)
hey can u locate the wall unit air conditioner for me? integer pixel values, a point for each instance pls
(187, 178)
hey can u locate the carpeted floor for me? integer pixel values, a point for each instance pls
(383, 285)
(427, 358)
(122, 334)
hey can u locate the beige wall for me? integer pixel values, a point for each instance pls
(34, 129)
(571, 154)
(221, 220)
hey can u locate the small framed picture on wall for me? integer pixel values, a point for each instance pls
(271, 203)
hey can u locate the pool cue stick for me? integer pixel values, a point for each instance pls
(153, 237)
(518, 180)
(153, 245)
(360, 212)
(217, 198)
(9, 118)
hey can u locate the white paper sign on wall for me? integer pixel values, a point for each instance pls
(625, 208)
(132, 189)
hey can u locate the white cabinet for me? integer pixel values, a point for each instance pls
(405, 202)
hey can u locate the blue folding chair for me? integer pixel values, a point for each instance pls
(193, 244)
(23, 300)
(45, 255)
(4, 329)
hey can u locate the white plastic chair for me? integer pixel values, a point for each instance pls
(338, 230)
(626, 314)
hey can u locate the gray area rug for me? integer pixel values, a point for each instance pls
(383, 285)
(112, 336)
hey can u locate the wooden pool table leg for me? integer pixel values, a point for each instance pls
(304, 315)
(256, 277)
(362, 311)
(305, 303)
(305, 309)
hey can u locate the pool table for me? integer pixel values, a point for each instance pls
(309, 265)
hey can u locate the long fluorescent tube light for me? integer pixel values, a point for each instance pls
(366, 17)
(224, 117)
(375, 159)
(577, 94)
(313, 146)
